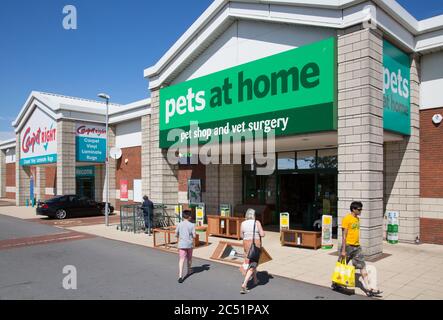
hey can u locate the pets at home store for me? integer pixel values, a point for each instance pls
(291, 95)
(341, 98)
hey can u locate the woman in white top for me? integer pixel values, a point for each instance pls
(249, 268)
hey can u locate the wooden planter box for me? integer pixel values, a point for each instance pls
(300, 238)
(228, 227)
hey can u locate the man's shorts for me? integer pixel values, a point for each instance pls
(355, 254)
(185, 253)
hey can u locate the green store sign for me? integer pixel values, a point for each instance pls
(396, 90)
(291, 92)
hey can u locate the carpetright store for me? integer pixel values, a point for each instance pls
(283, 106)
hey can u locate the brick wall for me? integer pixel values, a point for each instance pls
(130, 171)
(10, 174)
(431, 156)
(51, 179)
(431, 230)
(10, 179)
(186, 172)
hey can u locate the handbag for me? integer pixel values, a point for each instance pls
(254, 251)
(344, 274)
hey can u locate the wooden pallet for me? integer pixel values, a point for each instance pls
(222, 250)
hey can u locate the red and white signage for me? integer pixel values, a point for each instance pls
(124, 194)
(38, 140)
(90, 130)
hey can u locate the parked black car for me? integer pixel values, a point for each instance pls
(67, 206)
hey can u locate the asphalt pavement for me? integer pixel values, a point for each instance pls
(108, 269)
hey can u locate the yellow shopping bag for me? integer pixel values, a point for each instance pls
(344, 274)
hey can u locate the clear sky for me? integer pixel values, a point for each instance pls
(114, 42)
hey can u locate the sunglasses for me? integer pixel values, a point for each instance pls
(358, 209)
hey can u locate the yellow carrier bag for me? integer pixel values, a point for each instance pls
(344, 274)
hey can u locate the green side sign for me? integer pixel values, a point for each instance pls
(291, 92)
(396, 90)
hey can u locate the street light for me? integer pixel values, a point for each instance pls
(106, 97)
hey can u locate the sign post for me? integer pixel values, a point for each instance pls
(392, 234)
(326, 232)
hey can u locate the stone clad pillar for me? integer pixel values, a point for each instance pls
(66, 157)
(145, 154)
(164, 176)
(99, 182)
(402, 168)
(360, 132)
(22, 178)
(40, 183)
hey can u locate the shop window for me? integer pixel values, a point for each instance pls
(286, 161)
(187, 158)
(306, 160)
(327, 159)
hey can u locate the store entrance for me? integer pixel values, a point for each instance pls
(297, 197)
(307, 188)
(85, 187)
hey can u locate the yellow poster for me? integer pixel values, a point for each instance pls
(200, 215)
(284, 220)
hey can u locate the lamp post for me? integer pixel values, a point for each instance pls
(106, 97)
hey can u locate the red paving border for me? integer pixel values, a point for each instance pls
(76, 222)
(43, 240)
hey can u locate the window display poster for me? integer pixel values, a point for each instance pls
(194, 191)
(326, 232)
(199, 215)
(284, 220)
(225, 210)
(124, 190)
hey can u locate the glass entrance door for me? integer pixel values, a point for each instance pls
(297, 197)
(85, 187)
(255, 188)
(307, 187)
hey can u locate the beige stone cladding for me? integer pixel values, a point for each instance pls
(146, 154)
(360, 131)
(99, 182)
(22, 179)
(431, 208)
(402, 169)
(164, 176)
(66, 157)
(223, 186)
(40, 183)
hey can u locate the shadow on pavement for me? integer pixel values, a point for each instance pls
(199, 269)
(263, 279)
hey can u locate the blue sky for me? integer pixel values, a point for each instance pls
(115, 41)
